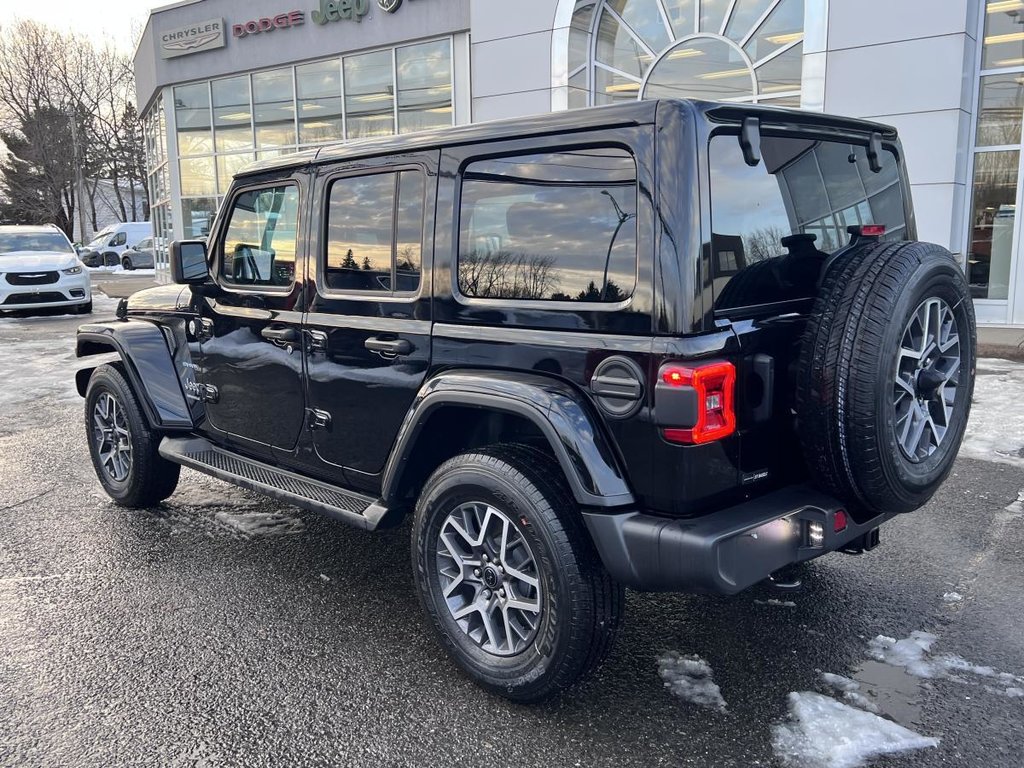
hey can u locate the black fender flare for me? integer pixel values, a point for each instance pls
(560, 412)
(143, 351)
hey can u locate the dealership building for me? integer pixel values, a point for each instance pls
(222, 83)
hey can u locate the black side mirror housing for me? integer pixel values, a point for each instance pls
(188, 262)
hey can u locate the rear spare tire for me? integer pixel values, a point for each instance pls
(886, 376)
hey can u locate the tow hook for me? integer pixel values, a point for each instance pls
(863, 543)
(785, 580)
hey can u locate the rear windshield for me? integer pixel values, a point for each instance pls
(774, 224)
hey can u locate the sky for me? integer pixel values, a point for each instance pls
(108, 20)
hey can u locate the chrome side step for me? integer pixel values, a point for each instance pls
(202, 455)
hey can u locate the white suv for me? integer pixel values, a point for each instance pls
(39, 269)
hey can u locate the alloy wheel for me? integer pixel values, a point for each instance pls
(489, 578)
(112, 437)
(927, 378)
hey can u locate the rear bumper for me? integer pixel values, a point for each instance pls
(723, 552)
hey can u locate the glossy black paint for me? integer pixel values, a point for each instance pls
(531, 362)
(367, 392)
(245, 354)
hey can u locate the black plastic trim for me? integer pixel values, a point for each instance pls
(147, 361)
(557, 410)
(723, 552)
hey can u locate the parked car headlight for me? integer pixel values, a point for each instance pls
(75, 270)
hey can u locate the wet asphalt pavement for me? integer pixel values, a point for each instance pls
(223, 629)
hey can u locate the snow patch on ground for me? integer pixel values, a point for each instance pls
(850, 690)
(690, 678)
(776, 603)
(995, 431)
(824, 733)
(914, 654)
(952, 597)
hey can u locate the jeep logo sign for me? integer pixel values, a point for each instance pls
(389, 6)
(195, 38)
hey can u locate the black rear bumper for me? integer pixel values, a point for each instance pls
(723, 552)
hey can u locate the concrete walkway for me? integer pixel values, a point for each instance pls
(1001, 342)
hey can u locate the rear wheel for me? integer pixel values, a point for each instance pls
(508, 575)
(886, 376)
(122, 445)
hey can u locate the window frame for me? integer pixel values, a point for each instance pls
(328, 181)
(222, 232)
(544, 304)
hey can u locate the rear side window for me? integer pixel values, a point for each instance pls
(550, 227)
(375, 233)
(774, 224)
(259, 246)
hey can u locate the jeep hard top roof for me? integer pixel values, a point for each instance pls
(610, 116)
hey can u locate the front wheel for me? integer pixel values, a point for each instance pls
(122, 445)
(127, 263)
(508, 575)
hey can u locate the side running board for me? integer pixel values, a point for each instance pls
(202, 455)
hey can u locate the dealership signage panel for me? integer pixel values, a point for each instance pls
(199, 36)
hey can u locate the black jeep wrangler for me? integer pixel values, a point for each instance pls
(668, 345)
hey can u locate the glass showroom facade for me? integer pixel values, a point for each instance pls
(275, 82)
(224, 124)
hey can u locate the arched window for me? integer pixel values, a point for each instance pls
(725, 50)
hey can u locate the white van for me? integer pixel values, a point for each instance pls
(109, 243)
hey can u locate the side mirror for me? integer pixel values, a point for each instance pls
(188, 262)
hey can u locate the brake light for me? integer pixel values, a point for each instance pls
(715, 386)
(867, 230)
(839, 521)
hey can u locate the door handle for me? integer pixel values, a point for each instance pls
(388, 347)
(280, 335)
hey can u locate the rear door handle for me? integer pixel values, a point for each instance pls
(280, 335)
(388, 347)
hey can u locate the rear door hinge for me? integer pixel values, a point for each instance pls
(209, 393)
(318, 419)
(317, 341)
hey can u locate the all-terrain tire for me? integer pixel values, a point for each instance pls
(581, 606)
(149, 478)
(848, 401)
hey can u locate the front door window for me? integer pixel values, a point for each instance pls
(259, 247)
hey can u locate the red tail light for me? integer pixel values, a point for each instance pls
(715, 386)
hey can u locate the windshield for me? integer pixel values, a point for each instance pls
(34, 241)
(100, 239)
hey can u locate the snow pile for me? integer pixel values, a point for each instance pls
(691, 679)
(909, 653)
(825, 733)
(995, 431)
(914, 655)
(850, 689)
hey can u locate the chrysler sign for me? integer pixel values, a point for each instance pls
(200, 36)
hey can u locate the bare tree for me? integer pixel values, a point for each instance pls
(45, 73)
(506, 274)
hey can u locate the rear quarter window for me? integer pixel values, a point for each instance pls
(774, 224)
(558, 226)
